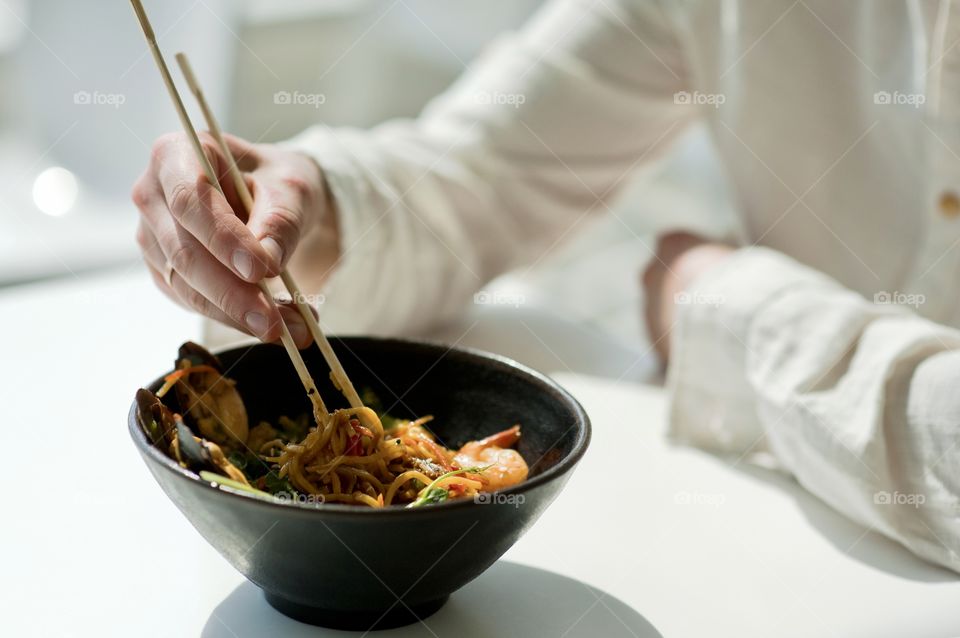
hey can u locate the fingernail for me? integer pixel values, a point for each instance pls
(243, 262)
(273, 249)
(298, 331)
(256, 322)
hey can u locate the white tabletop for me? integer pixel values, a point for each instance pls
(648, 539)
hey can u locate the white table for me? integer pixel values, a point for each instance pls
(90, 546)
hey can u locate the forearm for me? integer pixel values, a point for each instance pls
(857, 401)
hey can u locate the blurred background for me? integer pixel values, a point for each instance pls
(82, 103)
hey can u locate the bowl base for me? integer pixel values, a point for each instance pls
(398, 616)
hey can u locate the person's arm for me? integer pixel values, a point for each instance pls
(499, 169)
(859, 401)
(413, 217)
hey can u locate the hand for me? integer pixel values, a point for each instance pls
(216, 257)
(679, 259)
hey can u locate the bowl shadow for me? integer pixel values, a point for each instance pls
(509, 599)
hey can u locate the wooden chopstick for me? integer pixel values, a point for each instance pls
(320, 411)
(240, 184)
(340, 377)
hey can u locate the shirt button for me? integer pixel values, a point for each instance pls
(949, 205)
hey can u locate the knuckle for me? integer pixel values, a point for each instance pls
(222, 299)
(142, 194)
(675, 241)
(283, 222)
(223, 238)
(650, 274)
(159, 283)
(299, 186)
(183, 258)
(646, 275)
(162, 144)
(209, 146)
(207, 140)
(230, 303)
(666, 242)
(195, 299)
(142, 237)
(183, 198)
(210, 149)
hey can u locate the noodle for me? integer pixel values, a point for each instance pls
(349, 458)
(401, 480)
(349, 445)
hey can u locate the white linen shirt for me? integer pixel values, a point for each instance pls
(825, 340)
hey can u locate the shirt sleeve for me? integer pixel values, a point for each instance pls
(857, 400)
(534, 138)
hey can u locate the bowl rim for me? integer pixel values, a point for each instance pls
(582, 426)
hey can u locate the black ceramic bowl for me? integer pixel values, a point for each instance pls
(355, 567)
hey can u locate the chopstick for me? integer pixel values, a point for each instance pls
(320, 411)
(340, 378)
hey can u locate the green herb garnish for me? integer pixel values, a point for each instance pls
(436, 495)
(273, 483)
(429, 494)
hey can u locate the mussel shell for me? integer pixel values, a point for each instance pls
(154, 418)
(191, 453)
(221, 416)
(197, 355)
(202, 455)
(163, 427)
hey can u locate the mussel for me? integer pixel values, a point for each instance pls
(170, 434)
(199, 454)
(209, 401)
(213, 414)
(155, 419)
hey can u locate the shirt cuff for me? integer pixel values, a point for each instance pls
(711, 401)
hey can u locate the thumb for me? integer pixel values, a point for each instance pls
(277, 219)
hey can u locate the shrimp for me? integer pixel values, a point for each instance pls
(420, 441)
(506, 466)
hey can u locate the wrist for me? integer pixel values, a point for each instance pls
(319, 248)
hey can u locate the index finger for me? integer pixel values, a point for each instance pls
(203, 211)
